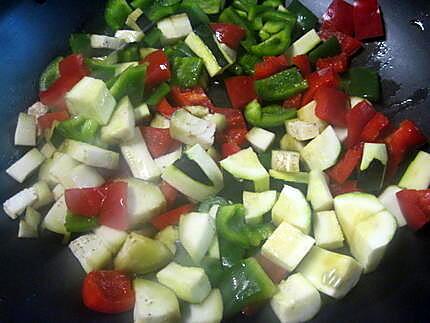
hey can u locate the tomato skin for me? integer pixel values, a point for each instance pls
(46, 121)
(108, 291)
(229, 34)
(159, 141)
(158, 68)
(85, 201)
(73, 65)
(114, 212)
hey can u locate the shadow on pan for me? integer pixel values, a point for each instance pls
(40, 281)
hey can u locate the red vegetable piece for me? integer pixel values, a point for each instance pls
(349, 44)
(303, 64)
(356, 120)
(295, 102)
(276, 273)
(236, 136)
(194, 96)
(347, 187)
(375, 128)
(367, 19)
(46, 121)
(346, 166)
(159, 141)
(240, 90)
(269, 66)
(170, 193)
(410, 202)
(171, 217)
(332, 105)
(108, 291)
(338, 63)
(114, 209)
(228, 149)
(424, 202)
(233, 117)
(339, 17)
(326, 77)
(158, 68)
(229, 34)
(165, 108)
(73, 65)
(85, 201)
(54, 95)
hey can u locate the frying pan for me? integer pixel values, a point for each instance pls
(40, 280)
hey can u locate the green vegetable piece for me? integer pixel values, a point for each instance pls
(130, 83)
(205, 206)
(272, 27)
(196, 15)
(230, 253)
(267, 117)
(363, 82)
(272, 3)
(209, 7)
(160, 92)
(187, 71)
(130, 53)
(329, 48)
(264, 35)
(275, 45)
(244, 5)
(213, 269)
(153, 38)
(78, 128)
(158, 9)
(80, 44)
(248, 61)
(50, 74)
(142, 4)
(116, 13)
(245, 284)
(229, 15)
(179, 50)
(281, 86)
(77, 223)
(306, 20)
(100, 70)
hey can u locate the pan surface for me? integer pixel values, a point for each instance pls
(40, 280)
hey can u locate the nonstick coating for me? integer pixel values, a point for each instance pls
(40, 280)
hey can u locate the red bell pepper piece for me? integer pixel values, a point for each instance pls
(158, 70)
(171, 217)
(108, 291)
(233, 117)
(338, 63)
(332, 105)
(349, 44)
(347, 187)
(339, 17)
(114, 209)
(303, 64)
(367, 19)
(240, 90)
(85, 201)
(169, 192)
(346, 166)
(326, 77)
(159, 141)
(236, 136)
(46, 121)
(356, 120)
(269, 66)
(228, 149)
(375, 128)
(187, 97)
(295, 102)
(229, 34)
(404, 139)
(411, 203)
(73, 65)
(165, 108)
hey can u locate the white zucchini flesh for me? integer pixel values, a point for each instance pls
(26, 130)
(213, 251)
(91, 252)
(257, 204)
(260, 139)
(44, 195)
(48, 150)
(331, 273)
(159, 121)
(141, 112)
(56, 216)
(198, 111)
(218, 119)
(327, 231)
(417, 175)
(61, 164)
(129, 36)
(166, 160)
(196, 242)
(37, 110)
(304, 44)
(169, 236)
(193, 285)
(296, 301)
(26, 231)
(139, 159)
(323, 151)
(154, 303)
(15, 205)
(102, 41)
(112, 238)
(91, 155)
(307, 113)
(319, 193)
(290, 143)
(58, 191)
(26, 165)
(302, 130)
(209, 311)
(191, 130)
(293, 208)
(132, 18)
(285, 161)
(389, 199)
(82, 176)
(33, 218)
(287, 246)
(372, 151)
(201, 50)
(175, 27)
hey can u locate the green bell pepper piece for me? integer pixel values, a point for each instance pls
(213, 269)
(80, 44)
(100, 70)
(264, 35)
(248, 61)
(329, 48)
(77, 223)
(275, 45)
(50, 74)
(160, 92)
(210, 7)
(272, 3)
(281, 85)
(158, 9)
(129, 53)
(229, 15)
(267, 117)
(142, 4)
(245, 284)
(244, 5)
(363, 82)
(206, 205)
(230, 253)
(130, 83)
(187, 71)
(236, 69)
(78, 128)
(153, 38)
(196, 15)
(116, 13)
(273, 27)
(180, 49)
(306, 20)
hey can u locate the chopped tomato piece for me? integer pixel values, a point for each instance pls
(338, 63)
(234, 117)
(85, 201)
(228, 149)
(114, 209)
(108, 291)
(165, 108)
(171, 217)
(326, 77)
(46, 121)
(356, 120)
(158, 68)
(339, 17)
(375, 128)
(367, 19)
(346, 166)
(229, 34)
(73, 65)
(295, 102)
(159, 141)
(349, 44)
(332, 105)
(269, 66)
(415, 205)
(347, 187)
(187, 97)
(170, 193)
(303, 64)
(240, 90)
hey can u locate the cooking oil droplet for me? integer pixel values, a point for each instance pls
(419, 96)
(418, 23)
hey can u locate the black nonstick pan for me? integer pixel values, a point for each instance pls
(40, 281)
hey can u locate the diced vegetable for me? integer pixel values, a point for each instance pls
(240, 90)
(389, 199)
(308, 113)
(55, 218)
(302, 130)
(268, 117)
(363, 82)
(417, 176)
(332, 105)
(339, 17)
(116, 13)
(44, 195)
(347, 164)
(169, 236)
(141, 112)
(91, 252)
(82, 176)
(260, 139)
(257, 204)
(112, 238)
(285, 161)
(129, 36)
(319, 192)
(26, 165)
(414, 206)
(327, 231)
(373, 166)
(102, 41)
(168, 159)
(159, 141)
(15, 205)
(61, 165)
(25, 133)
(113, 212)
(367, 19)
(210, 310)
(121, 125)
(290, 143)
(304, 44)
(175, 27)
